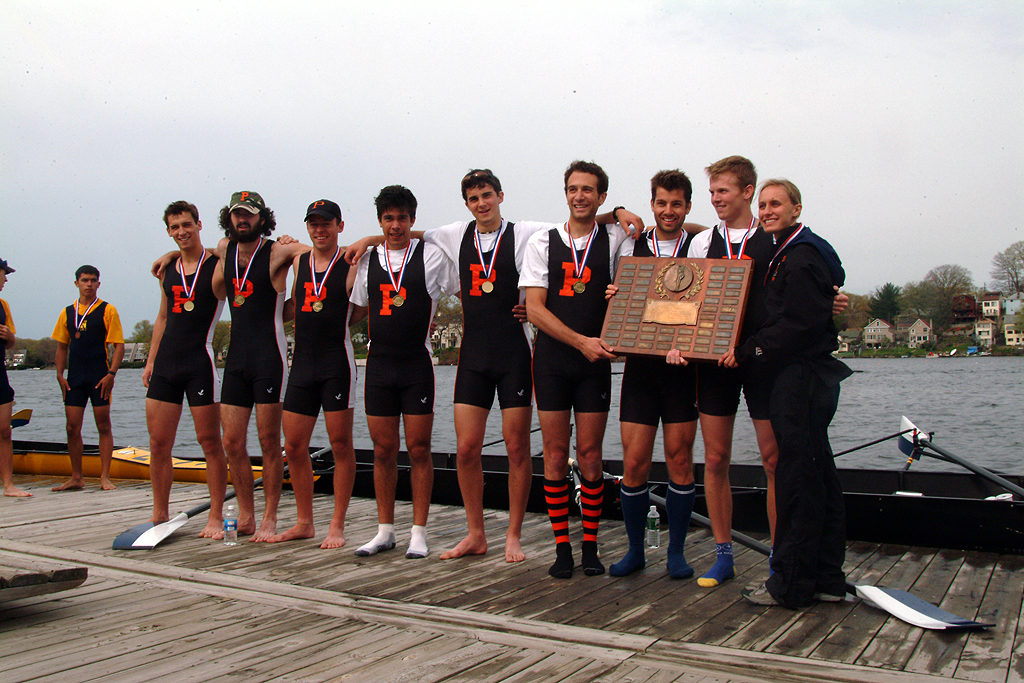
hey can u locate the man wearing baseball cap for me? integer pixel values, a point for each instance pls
(6, 394)
(254, 273)
(323, 372)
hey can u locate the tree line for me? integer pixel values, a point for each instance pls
(932, 298)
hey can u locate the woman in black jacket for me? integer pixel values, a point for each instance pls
(796, 342)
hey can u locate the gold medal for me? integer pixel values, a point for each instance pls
(188, 305)
(398, 300)
(239, 299)
(487, 286)
(579, 287)
(318, 306)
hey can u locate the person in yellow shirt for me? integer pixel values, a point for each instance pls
(6, 394)
(83, 333)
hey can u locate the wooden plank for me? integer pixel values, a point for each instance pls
(938, 652)
(501, 667)
(996, 654)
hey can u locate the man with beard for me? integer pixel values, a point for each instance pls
(255, 373)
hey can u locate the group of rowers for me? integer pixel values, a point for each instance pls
(557, 276)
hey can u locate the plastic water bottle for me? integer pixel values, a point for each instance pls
(653, 528)
(230, 523)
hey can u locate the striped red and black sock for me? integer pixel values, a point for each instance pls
(556, 495)
(591, 503)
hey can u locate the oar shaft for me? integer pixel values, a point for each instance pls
(871, 443)
(977, 469)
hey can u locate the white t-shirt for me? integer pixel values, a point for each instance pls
(448, 238)
(438, 271)
(665, 247)
(702, 241)
(534, 272)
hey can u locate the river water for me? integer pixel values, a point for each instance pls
(975, 407)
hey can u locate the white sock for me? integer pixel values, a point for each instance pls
(384, 540)
(417, 542)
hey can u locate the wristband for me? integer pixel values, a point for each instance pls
(111, 372)
(616, 211)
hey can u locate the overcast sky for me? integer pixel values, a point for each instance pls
(899, 121)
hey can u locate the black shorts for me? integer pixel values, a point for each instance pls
(80, 394)
(514, 385)
(718, 390)
(247, 386)
(653, 390)
(399, 385)
(200, 383)
(327, 381)
(562, 381)
(6, 392)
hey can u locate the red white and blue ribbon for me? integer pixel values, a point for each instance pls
(195, 278)
(401, 273)
(743, 244)
(783, 247)
(240, 284)
(317, 288)
(580, 264)
(488, 267)
(657, 249)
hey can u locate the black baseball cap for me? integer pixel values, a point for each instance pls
(325, 208)
(4, 267)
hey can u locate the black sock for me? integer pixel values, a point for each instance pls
(591, 564)
(562, 568)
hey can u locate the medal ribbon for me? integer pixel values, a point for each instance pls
(657, 249)
(780, 249)
(245, 277)
(488, 267)
(312, 272)
(579, 265)
(195, 278)
(80, 318)
(743, 244)
(401, 273)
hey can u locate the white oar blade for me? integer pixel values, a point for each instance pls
(906, 441)
(146, 536)
(913, 610)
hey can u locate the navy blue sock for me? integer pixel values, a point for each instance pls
(679, 504)
(722, 570)
(636, 501)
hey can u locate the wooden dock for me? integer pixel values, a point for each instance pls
(194, 609)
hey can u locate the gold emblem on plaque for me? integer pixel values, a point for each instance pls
(680, 278)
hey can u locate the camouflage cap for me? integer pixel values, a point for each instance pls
(248, 200)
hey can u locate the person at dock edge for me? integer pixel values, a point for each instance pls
(565, 273)
(398, 284)
(652, 392)
(7, 333)
(495, 354)
(83, 331)
(323, 372)
(794, 344)
(181, 364)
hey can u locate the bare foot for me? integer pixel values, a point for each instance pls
(335, 538)
(295, 533)
(214, 529)
(268, 528)
(107, 485)
(513, 549)
(470, 545)
(14, 492)
(247, 527)
(70, 485)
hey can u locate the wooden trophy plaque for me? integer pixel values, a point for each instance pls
(694, 305)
